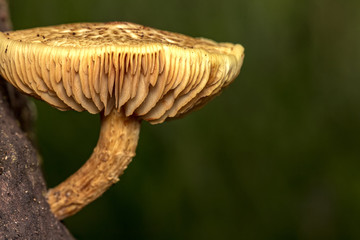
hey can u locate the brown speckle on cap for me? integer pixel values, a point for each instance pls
(150, 73)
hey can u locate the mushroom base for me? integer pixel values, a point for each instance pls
(114, 151)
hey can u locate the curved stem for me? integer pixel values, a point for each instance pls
(112, 154)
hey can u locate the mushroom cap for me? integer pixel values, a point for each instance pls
(150, 73)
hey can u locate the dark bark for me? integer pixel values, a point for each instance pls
(24, 212)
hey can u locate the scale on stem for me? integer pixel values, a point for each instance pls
(123, 71)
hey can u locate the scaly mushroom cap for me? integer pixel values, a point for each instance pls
(96, 67)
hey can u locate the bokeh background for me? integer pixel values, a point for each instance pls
(276, 156)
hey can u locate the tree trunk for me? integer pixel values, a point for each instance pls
(24, 212)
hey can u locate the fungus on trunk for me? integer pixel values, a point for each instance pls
(123, 71)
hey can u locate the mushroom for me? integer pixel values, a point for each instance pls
(123, 71)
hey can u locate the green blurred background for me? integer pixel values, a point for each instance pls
(276, 156)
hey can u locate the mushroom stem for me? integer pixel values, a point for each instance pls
(112, 154)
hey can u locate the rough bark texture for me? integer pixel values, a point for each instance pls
(24, 212)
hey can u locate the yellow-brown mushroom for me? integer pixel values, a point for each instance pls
(124, 71)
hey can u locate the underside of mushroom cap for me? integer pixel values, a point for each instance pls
(149, 73)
